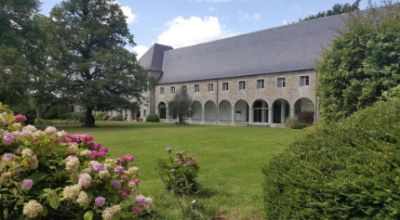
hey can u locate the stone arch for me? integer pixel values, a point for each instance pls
(210, 111)
(169, 112)
(280, 111)
(303, 104)
(260, 111)
(198, 111)
(162, 110)
(225, 111)
(241, 111)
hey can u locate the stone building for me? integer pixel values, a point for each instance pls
(261, 78)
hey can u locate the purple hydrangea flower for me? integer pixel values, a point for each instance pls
(100, 201)
(8, 157)
(119, 169)
(27, 184)
(8, 138)
(140, 199)
(98, 167)
(117, 184)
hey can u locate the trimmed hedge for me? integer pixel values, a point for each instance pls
(152, 118)
(345, 170)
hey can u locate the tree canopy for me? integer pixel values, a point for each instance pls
(336, 10)
(362, 63)
(89, 38)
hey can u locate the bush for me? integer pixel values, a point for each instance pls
(82, 118)
(53, 175)
(105, 117)
(75, 116)
(99, 116)
(289, 122)
(118, 117)
(345, 170)
(300, 126)
(179, 173)
(306, 117)
(152, 118)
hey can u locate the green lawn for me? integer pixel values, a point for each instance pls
(230, 160)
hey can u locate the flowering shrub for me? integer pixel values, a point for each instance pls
(179, 173)
(56, 175)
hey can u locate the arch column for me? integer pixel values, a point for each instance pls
(270, 110)
(233, 115)
(251, 112)
(203, 113)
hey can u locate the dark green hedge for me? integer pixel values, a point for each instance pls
(345, 170)
(152, 118)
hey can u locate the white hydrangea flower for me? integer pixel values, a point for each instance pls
(133, 171)
(32, 209)
(39, 135)
(62, 135)
(29, 128)
(17, 126)
(27, 153)
(85, 153)
(71, 192)
(72, 164)
(27, 133)
(51, 129)
(83, 199)
(148, 204)
(104, 174)
(109, 167)
(84, 180)
(73, 149)
(92, 163)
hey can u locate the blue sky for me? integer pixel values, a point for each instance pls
(182, 23)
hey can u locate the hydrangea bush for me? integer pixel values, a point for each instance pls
(55, 175)
(179, 172)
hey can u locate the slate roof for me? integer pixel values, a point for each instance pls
(288, 48)
(153, 59)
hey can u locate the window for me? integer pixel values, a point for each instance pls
(144, 113)
(260, 84)
(162, 90)
(210, 87)
(304, 80)
(242, 85)
(281, 82)
(184, 88)
(172, 89)
(225, 86)
(196, 88)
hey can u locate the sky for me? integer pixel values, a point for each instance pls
(180, 23)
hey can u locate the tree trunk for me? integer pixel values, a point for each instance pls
(181, 120)
(89, 120)
(38, 113)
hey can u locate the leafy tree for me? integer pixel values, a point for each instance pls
(336, 10)
(89, 38)
(180, 106)
(15, 27)
(362, 63)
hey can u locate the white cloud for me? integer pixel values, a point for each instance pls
(285, 22)
(194, 30)
(140, 50)
(244, 16)
(130, 17)
(257, 16)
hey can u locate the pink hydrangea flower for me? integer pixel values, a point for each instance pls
(124, 177)
(98, 167)
(8, 157)
(125, 195)
(85, 179)
(20, 118)
(140, 199)
(118, 161)
(172, 170)
(119, 169)
(8, 138)
(104, 150)
(128, 157)
(168, 149)
(100, 201)
(128, 191)
(16, 134)
(136, 182)
(27, 184)
(137, 209)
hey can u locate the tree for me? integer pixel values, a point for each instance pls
(15, 29)
(336, 10)
(90, 37)
(180, 106)
(362, 63)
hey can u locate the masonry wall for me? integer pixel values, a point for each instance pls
(292, 93)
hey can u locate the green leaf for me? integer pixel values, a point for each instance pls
(88, 215)
(54, 202)
(116, 217)
(45, 211)
(36, 177)
(21, 217)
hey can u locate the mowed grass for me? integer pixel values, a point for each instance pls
(230, 160)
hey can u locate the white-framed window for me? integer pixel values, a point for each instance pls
(242, 85)
(184, 87)
(260, 84)
(196, 88)
(172, 89)
(225, 86)
(304, 81)
(210, 87)
(144, 113)
(161, 90)
(281, 82)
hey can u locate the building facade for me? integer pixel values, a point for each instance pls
(260, 78)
